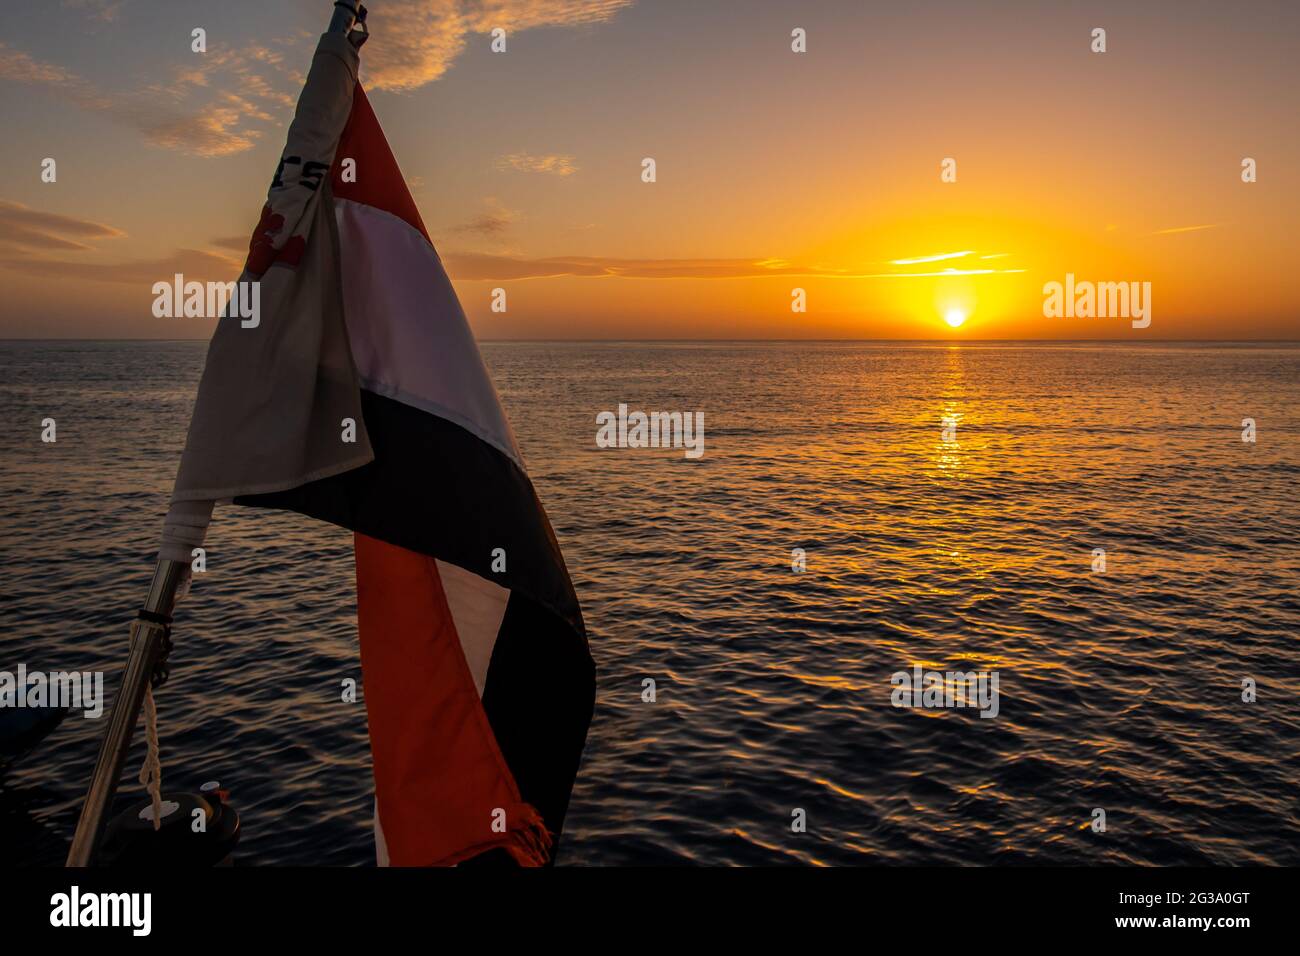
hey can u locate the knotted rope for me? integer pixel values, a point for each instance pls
(151, 772)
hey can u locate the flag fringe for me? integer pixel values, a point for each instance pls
(527, 840)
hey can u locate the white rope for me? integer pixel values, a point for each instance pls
(151, 772)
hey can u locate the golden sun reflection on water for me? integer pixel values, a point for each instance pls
(952, 414)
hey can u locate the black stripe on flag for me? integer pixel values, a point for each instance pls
(435, 489)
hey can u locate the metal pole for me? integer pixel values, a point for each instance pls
(147, 638)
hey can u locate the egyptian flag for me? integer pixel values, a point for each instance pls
(359, 398)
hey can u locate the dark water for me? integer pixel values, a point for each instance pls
(1119, 690)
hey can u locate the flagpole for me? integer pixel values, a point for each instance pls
(149, 645)
(150, 639)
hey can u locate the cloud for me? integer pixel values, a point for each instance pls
(215, 104)
(213, 132)
(208, 107)
(935, 258)
(192, 263)
(1167, 232)
(23, 68)
(494, 222)
(104, 11)
(940, 257)
(416, 41)
(483, 266)
(31, 239)
(553, 163)
(234, 243)
(474, 266)
(252, 67)
(29, 236)
(24, 228)
(945, 272)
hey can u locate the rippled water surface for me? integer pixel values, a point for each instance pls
(1120, 690)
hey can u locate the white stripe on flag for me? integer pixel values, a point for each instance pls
(477, 607)
(410, 340)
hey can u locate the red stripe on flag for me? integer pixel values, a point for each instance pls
(379, 181)
(439, 774)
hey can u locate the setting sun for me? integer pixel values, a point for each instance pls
(955, 317)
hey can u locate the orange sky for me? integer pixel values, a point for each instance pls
(776, 170)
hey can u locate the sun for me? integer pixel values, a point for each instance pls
(955, 317)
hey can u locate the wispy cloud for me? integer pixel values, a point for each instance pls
(416, 41)
(941, 257)
(247, 73)
(943, 272)
(554, 163)
(214, 131)
(220, 102)
(208, 108)
(473, 266)
(483, 266)
(935, 258)
(104, 11)
(233, 243)
(32, 239)
(24, 228)
(20, 67)
(495, 221)
(1169, 232)
(193, 263)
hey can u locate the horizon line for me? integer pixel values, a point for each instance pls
(939, 341)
